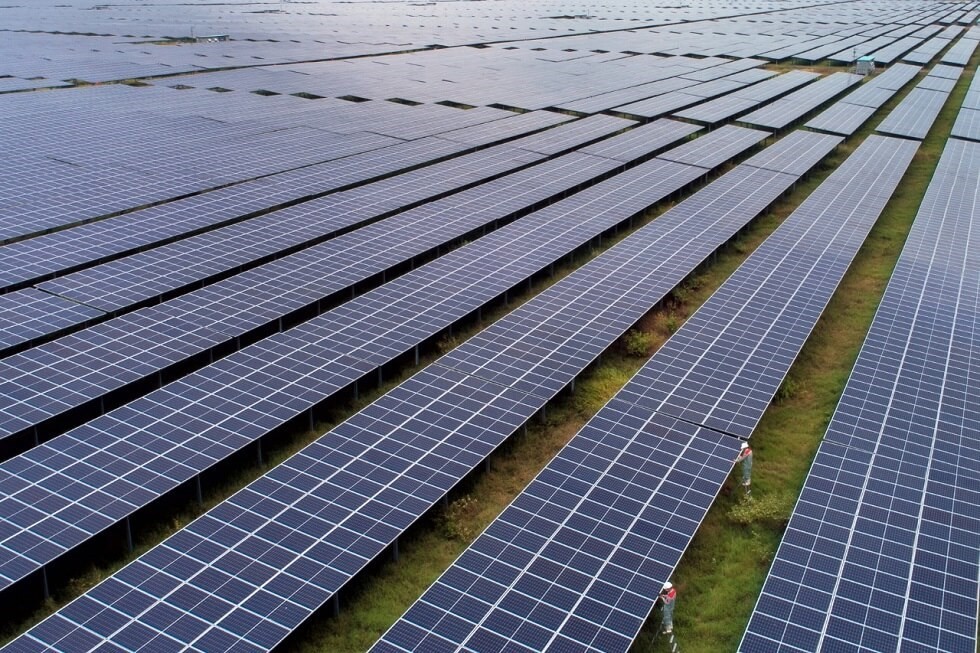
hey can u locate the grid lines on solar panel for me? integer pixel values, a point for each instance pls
(578, 559)
(881, 552)
(196, 421)
(112, 354)
(790, 108)
(42, 256)
(915, 114)
(567, 565)
(723, 367)
(146, 275)
(229, 308)
(654, 254)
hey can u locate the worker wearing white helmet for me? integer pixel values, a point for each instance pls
(745, 457)
(667, 596)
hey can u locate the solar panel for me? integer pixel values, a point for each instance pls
(927, 51)
(147, 275)
(960, 53)
(945, 72)
(967, 124)
(842, 118)
(167, 437)
(67, 374)
(790, 108)
(140, 277)
(619, 97)
(717, 110)
(29, 313)
(881, 552)
(567, 565)
(661, 104)
(641, 141)
(576, 562)
(796, 153)
(716, 147)
(722, 369)
(478, 412)
(914, 115)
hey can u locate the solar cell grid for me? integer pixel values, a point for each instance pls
(842, 118)
(945, 72)
(142, 343)
(967, 124)
(603, 101)
(42, 256)
(642, 140)
(927, 51)
(790, 108)
(961, 51)
(660, 105)
(564, 567)
(585, 548)
(243, 396)
(28, 313)
(796, 153)
(147, 275)
(722, 369)
(572, 135)
(716, 147)
(914, 115)
(654, 246)
(881, 551)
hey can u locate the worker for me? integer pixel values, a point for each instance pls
(667, 596)
(745, 457)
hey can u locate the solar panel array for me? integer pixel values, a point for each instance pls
(603, 299)
(248, 229)
(34, 259)
(578, 559)
(882, 552)
(144, 343)
(243, 396)
(967, 125)
(915, 114)
(147, 275)
(742, 100)
(853, 110)
(794, 106)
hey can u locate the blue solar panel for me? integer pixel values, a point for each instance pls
(882, 550)
(44, 256)
(725, 367)
(137, 345)
(577, 561)
(579, 557)
(915, 114)
(434, 423)
(193, 423)
(797, 104)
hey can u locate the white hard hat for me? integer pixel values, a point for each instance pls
(667, 586)
(745, 445)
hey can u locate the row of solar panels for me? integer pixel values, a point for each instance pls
(967, 125)
(152, 275)
(58, 174)
(347, 497)
(532, 394)
(578, 559)
(882, 552)
(187, 426)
